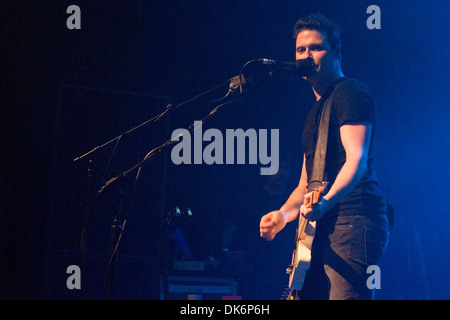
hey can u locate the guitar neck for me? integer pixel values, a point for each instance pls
(318, 193)
(315, 198)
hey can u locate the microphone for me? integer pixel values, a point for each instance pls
(302, 66)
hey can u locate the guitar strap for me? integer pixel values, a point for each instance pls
(317, 179)
(318, 172)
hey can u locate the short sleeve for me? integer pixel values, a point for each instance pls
(353, 104)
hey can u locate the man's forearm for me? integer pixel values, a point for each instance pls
(349, 176)
(292, 206)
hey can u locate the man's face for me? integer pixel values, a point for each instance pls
(314, 44)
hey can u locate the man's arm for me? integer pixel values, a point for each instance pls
(355, 140)
(292, 206)
(275, 221)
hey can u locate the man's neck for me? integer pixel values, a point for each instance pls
(320, 85)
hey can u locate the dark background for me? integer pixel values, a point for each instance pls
(67, 91)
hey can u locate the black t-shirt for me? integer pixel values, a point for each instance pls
(352, 104)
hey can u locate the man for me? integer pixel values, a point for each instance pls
(352, 225)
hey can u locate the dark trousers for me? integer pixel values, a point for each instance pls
(343, 249)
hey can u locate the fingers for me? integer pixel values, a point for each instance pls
(306, 209)
(265, 226)
(269, 236)
(268, 225)
(307, 200)
(267, 233)
(311, 213)
(306, 212)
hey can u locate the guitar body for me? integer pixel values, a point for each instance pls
(301, 256)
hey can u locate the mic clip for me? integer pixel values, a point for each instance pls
(238, 82)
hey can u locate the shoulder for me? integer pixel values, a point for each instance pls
(353, 102)
(352, 86)
(351, 91)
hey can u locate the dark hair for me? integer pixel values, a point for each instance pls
(319, 22)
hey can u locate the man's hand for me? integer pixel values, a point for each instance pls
(313, 212)
(271, 224)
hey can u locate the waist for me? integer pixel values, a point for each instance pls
(365, 199)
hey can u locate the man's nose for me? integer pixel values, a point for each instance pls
(308, 53)
(305, 54)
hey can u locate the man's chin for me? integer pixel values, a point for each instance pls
(311, 77)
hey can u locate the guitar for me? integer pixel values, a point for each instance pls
(301, 256)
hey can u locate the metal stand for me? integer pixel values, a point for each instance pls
(237, 86)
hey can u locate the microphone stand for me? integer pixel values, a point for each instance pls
(234, 83)
(116, 234)
(116, 229)
(234, 86)
(169, 108)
